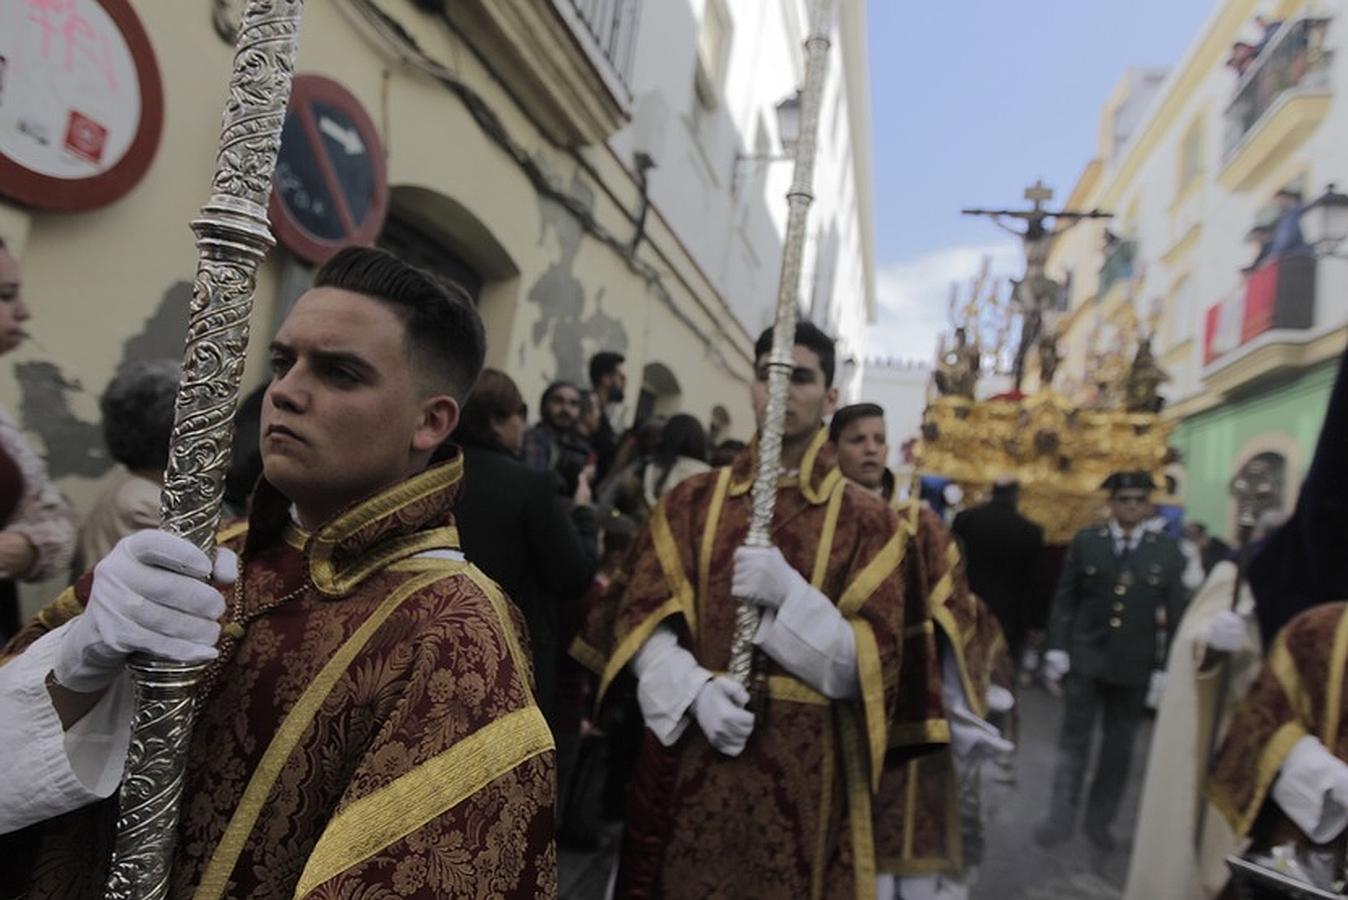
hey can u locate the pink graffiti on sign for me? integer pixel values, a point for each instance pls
(72, 36)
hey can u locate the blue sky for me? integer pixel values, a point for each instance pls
(970, 102)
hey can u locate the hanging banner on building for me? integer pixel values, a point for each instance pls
(331, 184)
(81, 103)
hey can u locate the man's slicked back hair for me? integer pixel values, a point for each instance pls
(605, 362)
(808, 335)
(444, 331)
(849, 414)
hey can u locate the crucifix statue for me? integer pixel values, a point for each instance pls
(1035, 293)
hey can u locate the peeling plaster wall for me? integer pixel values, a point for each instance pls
(111, 285)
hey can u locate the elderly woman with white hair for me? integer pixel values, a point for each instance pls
(137, 412)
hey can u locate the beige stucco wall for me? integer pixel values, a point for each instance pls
(98, 281)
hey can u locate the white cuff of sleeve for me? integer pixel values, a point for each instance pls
(811, 639)
(52, 771)
(1306, 790)
(668, 680)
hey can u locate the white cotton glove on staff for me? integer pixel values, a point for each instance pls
(1057, 664)
(150, 595)
(764, 576)
(1226, 632)
(720, 713)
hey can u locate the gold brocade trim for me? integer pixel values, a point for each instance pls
(792, 689)
(671, 563)
(909, 808)
(918, 630)
(820, 861)
(1284, 669)
(629, 645)
(587, 656)
(61, 610)
(931, 731)
(231, 531)
(977, 699)
(941, 593)
(377, 821)
(814, 495)
(322, 544)
(429, 564)
(295, 536)
(1270, 761)
(1334, 699)
(870, 679)
(885, 563)
(296, 723)
(825, 547)
(709, 542)
(524, 663)
(858, 805)
(329, 581)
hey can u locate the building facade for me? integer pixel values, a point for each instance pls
(1200, 183)
(597, 175)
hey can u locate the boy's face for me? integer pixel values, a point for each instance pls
(861, 451)
(344, 415)
(808, 399)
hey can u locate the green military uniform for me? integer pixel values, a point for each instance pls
(1105, 615)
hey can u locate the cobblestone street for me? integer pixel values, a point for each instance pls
(1014, 867)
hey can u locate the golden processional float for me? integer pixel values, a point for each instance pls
(1059, 437)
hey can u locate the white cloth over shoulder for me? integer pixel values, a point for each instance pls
(50, 771)
(812, 640)
(1312, 788)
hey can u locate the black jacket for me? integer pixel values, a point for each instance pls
(1002, 552)
(515, 527)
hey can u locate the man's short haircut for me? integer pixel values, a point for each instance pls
(442, 327)
(808, 335)
(603, 363)
(849, 414)
(137, 412)
(495, 397)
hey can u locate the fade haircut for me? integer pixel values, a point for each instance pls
(605, 362)
(442, 328)
(849, 414)
(808, 335)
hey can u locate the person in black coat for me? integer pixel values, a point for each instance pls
(1002, 552)
(1303, 563)
(514, 526)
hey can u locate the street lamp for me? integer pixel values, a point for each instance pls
(1324, 223)
(788, 132)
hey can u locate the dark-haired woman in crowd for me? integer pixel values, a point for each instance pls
(682, 453)
(37, 527)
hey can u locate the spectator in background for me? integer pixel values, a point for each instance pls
(725, 452)
(590, 417)
(245, 463)
(682, 453)
(1287, 239)
(608, 380)
(1003, 550)
(1211, 549)
(622, 489)
(37, 527)
(515, 528)
(137, 412)
(554, 444)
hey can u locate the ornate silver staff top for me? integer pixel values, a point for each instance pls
(232, 239)
(784, 329)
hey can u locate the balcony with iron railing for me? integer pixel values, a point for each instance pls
(1278, 101)
(607, 31)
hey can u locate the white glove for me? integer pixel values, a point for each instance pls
(1057, 664)
(764, 576)
(974, 739)
(1155, 689)
(1226, 632)
(720, 713)
(1312, 789)
(150, 595)
(999, 699)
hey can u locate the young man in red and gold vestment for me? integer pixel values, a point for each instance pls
(771, 802)
(366, 726)
(919, 839)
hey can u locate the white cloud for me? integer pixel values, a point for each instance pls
(912, 296)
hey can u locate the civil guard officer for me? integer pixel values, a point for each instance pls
(1119, 581)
